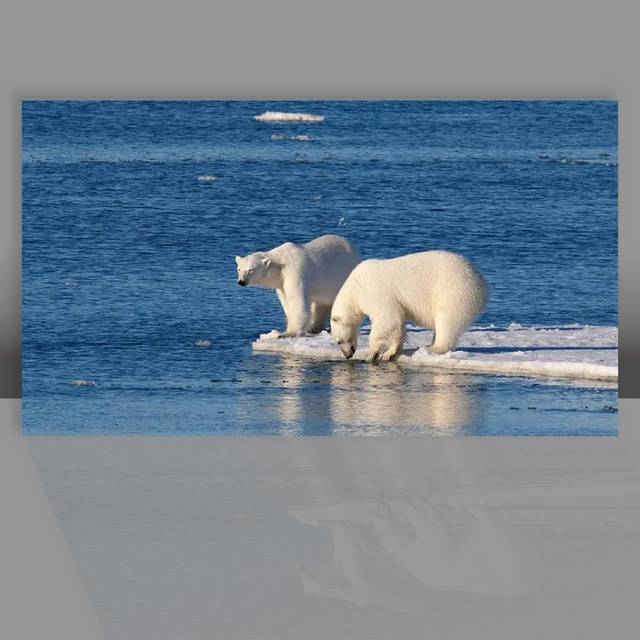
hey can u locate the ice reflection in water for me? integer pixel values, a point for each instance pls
(381, 399)
(362, 399)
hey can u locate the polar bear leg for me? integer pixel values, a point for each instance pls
(296, 305)
(283, 301)
(447, 332)
(386, 339)
(319, 314)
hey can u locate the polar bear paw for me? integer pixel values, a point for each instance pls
(290, 334)
(383, 354)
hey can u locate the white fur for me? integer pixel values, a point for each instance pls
(438, 290)
(306, 278)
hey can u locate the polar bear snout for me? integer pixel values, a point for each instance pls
(345, 335)
(347, 348)
(242, 283)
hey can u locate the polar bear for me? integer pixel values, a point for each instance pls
(439, 290)
(306, 278)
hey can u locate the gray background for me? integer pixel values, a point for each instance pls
(583, 538)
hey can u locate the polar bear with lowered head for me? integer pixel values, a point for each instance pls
(438, 290)
(306, 278)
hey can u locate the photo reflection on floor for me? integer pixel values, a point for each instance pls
(385, 552)
(397, 535)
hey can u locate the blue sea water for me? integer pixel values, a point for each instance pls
(128, 258)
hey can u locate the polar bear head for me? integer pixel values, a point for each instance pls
(346, 316)
(345, 332)
(257, 269)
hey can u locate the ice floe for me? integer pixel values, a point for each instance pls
(573, 352)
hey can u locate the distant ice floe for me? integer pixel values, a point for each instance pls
(207, 178)
(203, 344)
(84, 383)
(300, 138)
(603, 159)
(282, 116)
(570, 352)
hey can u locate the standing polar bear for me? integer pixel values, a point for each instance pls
(439, 290)
(306, 278)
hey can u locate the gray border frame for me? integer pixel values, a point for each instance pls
(493, 49)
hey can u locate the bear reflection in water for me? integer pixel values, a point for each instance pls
(373, 400)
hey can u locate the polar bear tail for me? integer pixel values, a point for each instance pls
(468, 301)
(447, 332)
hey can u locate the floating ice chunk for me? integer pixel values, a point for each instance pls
(207, 178)
(204, 344)
(282, 116)
(601, 159)
(301, 138)
(319, 347)
(84, 383)
(518, 363)
(567, 352)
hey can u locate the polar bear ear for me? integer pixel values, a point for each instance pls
(238, 258)
(266, 261)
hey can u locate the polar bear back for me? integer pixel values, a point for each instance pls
(323, 264)
(420, 286)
